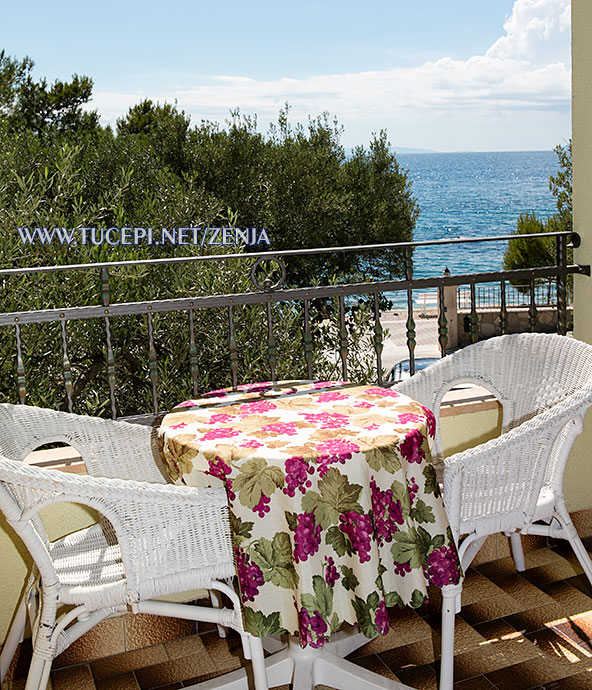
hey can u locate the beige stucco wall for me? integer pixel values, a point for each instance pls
(578, 481)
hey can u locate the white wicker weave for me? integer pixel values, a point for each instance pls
(154, 539)
(514, 483)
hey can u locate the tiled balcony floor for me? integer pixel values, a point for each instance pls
(515, 632)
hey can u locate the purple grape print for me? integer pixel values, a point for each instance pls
(331, 574)
(442, 567)
(311, 628)
(381, 619)
(297, 476)
(411, 448)
(250, 576)
(386, 512)
(263, 506)
(307, 537)
(358, 528)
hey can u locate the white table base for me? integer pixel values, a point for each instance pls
(305, 668)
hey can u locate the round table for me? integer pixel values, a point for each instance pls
(335, 509)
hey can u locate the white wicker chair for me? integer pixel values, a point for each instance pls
(154, 539)
(514, 483)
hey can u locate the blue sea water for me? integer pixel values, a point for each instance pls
(474, 195)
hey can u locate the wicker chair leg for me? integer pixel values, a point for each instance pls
(517, 551)
(38, 675)
(570, 533)
(258, 664)
(450, 595)
(216, 600)
(15, 635)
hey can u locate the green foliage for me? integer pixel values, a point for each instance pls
(561, 184)
(60, 168)
(527, 253)
(44, 110)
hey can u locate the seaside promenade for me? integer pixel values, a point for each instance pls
(395, 346)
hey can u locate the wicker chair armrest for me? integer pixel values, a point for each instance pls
(504, 475)
(549, 422)
(161, 529)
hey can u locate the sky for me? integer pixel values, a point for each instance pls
(442, 75)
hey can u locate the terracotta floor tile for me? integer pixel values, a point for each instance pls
(226, 653)
(522, 590)
(184, 646)
(380, 643)
(572, 599)
(478, 662)
(502, 566)
(478, 683)
(573, 631)
(579, 681)
(580, 582)
(551, 572)
(416, 654)
(409, 625)
(477, 587)
(421, 678)
(126, 681)
(542, 557)
(105, 639)
(376, 665)
(562, 649)
(128, 661)
(175, 670)
(490, 609)
(583, 623)
(527, 674)
(505, 639)
(73, 678)
(537, 618)
(465, 636)
(143, 630)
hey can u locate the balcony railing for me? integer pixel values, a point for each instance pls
(490, 296)
(270, 292)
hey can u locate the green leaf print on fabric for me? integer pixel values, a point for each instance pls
(337, 539)
(383, 458)
(365, 614)
(431, 481)
(337, 496)
(261, 625)
(257, 477)
(321, 600)
(422, 512)
(275, 560)
(241, 529)
(401, 494)
(349, 579)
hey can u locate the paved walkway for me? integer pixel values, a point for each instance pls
(395, 347)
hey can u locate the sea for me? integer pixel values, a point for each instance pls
(473, 194)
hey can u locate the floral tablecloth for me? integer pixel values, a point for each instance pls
(335, 508)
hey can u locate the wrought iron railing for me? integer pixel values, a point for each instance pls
(267, 292)
(490, 297)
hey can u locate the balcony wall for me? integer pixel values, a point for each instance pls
(579, 470)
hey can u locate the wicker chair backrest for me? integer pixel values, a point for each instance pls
(527, 372)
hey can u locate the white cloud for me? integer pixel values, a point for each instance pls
(527, 68)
